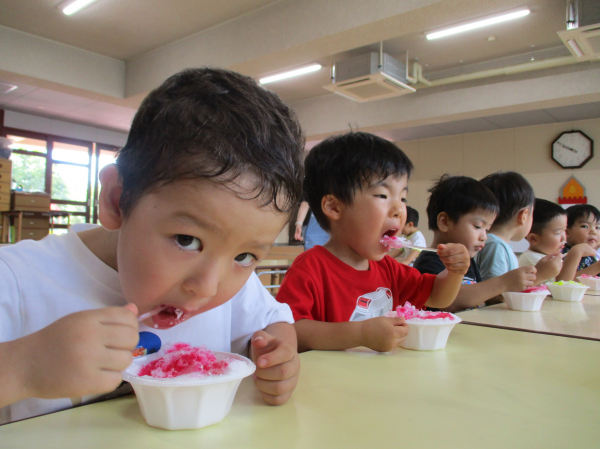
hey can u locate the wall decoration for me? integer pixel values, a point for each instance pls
(573, 192)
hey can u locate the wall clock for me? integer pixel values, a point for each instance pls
(572, 149)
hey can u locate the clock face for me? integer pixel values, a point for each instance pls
(572, 149)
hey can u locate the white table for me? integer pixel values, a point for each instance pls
(573, 319)
(490, 388)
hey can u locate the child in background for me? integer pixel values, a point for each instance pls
(356, 186)
(412, 233)
(513, 223)
(548, 236)
(583, 227)
(207, 150)
(461, 210)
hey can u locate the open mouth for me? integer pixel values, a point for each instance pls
(391, 233)
(168, 317)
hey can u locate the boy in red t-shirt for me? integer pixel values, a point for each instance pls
(356, 186)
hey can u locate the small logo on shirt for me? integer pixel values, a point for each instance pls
(149, 344)
(372, 305)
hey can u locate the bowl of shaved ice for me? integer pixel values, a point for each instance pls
(186, 387)
(567, 290)
(593, 282)
(529, 300)
(427, 330)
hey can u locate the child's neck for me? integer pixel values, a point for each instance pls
(346, 254)
(505, 232)
(535, 249)
(439, 238)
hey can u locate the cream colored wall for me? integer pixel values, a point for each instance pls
(525, 150)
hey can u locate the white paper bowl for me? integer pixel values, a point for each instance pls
(428, 335)
(567, 292)
(187, 403)
(524, 302)
(592, 283)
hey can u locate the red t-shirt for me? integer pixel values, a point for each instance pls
(318, 286)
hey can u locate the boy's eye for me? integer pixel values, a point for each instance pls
(245, 259)
(404, 200)
(187, 242)
(381, 196)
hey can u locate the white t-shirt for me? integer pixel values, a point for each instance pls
(416, 238)
(530, 258)
(41, 282)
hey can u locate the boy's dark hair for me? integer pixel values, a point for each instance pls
(412, 216)
(341, 164)
(217, 125)
(457, 196)
(544, 211)
(513, 193)
(581, 212)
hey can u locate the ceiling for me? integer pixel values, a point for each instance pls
(123, 29)
(129, 30)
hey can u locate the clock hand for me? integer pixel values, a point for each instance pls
(568, 148)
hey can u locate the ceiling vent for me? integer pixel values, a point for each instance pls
(369, 77)
(582, 36)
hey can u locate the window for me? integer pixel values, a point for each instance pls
(66, 168)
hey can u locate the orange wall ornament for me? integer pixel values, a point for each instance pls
(573, 192)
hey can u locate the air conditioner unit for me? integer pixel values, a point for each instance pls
(369, 77)
(582, 36)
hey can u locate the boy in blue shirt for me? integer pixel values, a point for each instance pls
(207, 151)
(356, 185)
(516, 200)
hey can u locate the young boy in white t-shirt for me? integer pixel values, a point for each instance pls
(199, 193)
(412, 233)
(548, 236)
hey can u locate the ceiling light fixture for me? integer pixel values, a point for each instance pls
(479, 23)
(290, 74)
(71, 7)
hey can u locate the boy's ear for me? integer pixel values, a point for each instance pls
(332, 207)
(443, 222)
(522, 216)
(109, 213)
(532, 238)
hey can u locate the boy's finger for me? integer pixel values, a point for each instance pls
(399, 321)
(282, 371)
(458, 258)
(276, 399)
(261, 339)
(132, 307)
(275, 387)
(117, 315)
(276, 355)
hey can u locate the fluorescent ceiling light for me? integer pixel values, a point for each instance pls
(290, 74)
(71, 7)
(479, 24)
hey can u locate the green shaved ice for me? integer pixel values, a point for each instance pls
(567, 283)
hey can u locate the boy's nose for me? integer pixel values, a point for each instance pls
(204, 283)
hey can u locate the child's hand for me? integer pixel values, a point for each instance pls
(548, 267)
(455, 257)
(583, 249)
(384, 333)
(519, 279)
(277, 367)
(80, 354)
